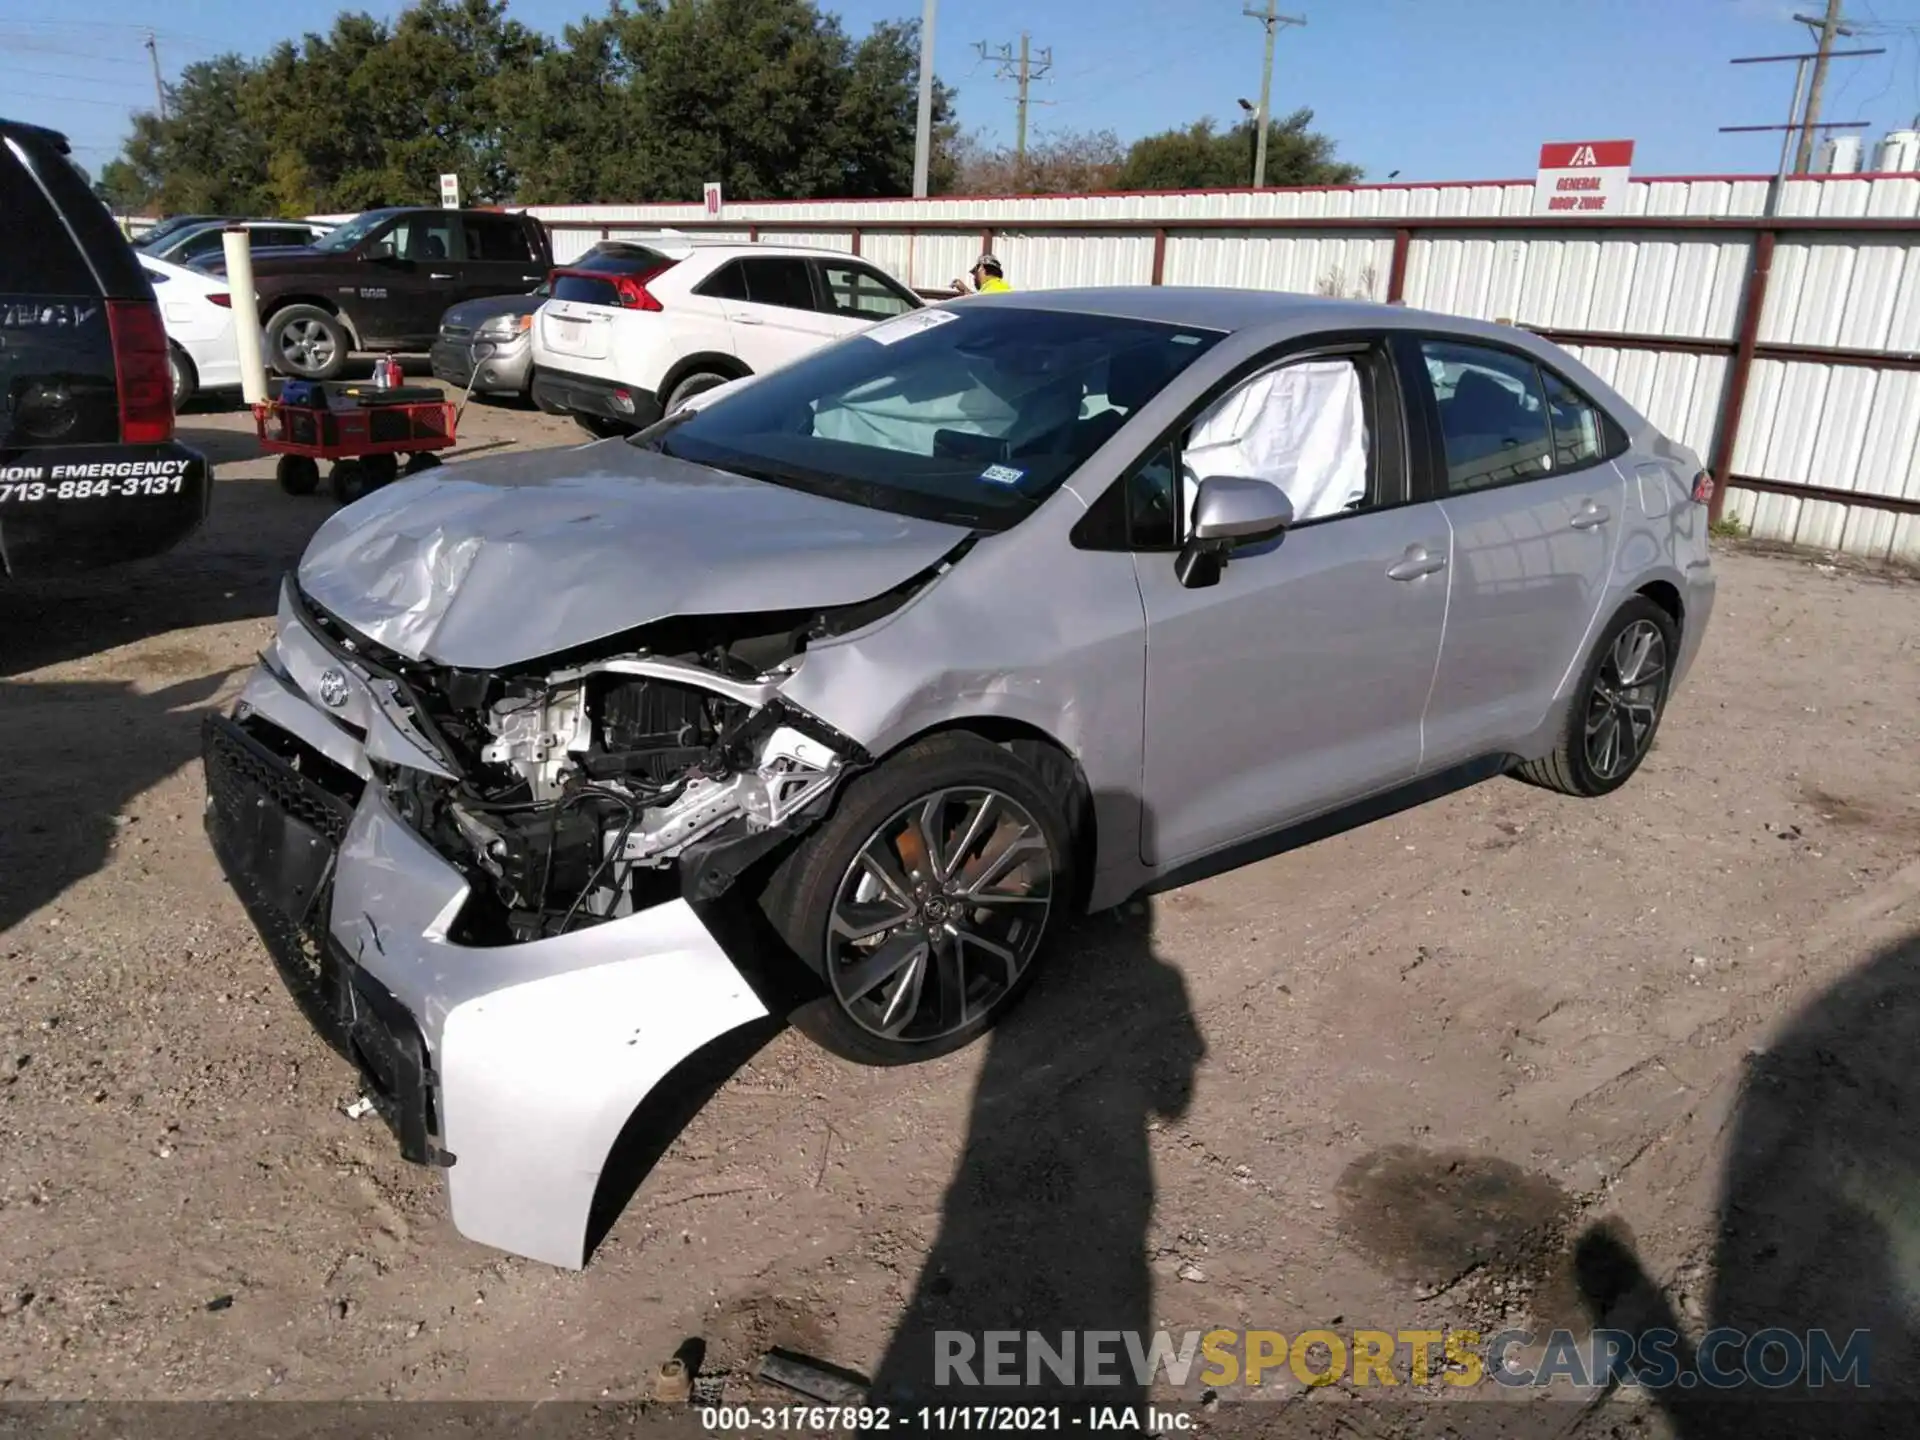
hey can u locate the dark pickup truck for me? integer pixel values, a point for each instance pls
(382, 280)
(90, 474)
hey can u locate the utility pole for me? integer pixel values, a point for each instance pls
(1028, 67)
(1271, 21)
(159, 90)
(1828, 27)
(923, 127)
(1797, 123)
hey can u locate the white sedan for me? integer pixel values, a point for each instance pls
(198, 311)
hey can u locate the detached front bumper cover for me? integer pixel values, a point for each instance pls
(513, 1067)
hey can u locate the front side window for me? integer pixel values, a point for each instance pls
(423, 237)
(1493, 415)
(346, 236)
(968, 416)
(1301, 425)
(856, 293)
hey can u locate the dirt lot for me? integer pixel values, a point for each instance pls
(1492, 1062)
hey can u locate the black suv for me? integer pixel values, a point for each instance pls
(382, 280)
(90, 474)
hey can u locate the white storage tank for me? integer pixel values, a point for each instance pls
(1839, 155)
(1899, 152)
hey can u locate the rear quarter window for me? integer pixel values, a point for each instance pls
(37, 255)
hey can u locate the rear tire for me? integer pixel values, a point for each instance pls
(185, 378)
(1616, 707)
(600, 427)
(382, 469)
(925, 900)
(307, 343)
(691, 386)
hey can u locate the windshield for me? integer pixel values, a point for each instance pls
(968, 415)
(346, 236)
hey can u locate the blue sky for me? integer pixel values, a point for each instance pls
(1435, 89)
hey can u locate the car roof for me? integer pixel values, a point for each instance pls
(38, 133)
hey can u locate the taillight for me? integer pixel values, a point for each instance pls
(1702, 488)
(140, 366)
(633, 292)
(223, 300)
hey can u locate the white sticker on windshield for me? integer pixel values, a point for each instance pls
(887, 332)
(1002, 475)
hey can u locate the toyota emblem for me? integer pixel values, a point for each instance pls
(333, 688)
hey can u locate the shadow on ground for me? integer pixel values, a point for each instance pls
(77, 753)
(1045, 1224)
(1819, 1229)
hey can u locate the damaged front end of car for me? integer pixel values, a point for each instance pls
(582, 792)
(499, 892)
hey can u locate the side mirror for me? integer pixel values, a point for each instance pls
(1229, 511)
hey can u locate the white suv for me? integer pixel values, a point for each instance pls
(636, 327)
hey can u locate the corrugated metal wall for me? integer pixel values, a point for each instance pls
(1846, 427)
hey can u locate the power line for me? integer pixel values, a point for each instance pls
(1029, 66)
(1270, 21)
(64, 75)
(71, 100)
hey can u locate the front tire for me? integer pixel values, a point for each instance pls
(307, 343)
(926, 900)
(1616, 707)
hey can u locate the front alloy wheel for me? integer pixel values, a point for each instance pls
(939, 914)
(923, 902)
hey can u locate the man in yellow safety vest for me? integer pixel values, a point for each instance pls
(987, 277)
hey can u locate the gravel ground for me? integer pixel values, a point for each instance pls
(1508, 1059)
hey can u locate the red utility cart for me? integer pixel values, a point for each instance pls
(363, 430)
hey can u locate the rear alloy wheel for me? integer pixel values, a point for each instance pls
(181, 373)
(1617, 708)
(307, 343)
(925, 900)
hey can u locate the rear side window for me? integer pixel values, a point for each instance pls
(37, 256)
(500, 239)
(857, 293)
(729, 282)
(586, 289)
(1493, 415)
(423, 237)
(779, 280)
(1581, 434)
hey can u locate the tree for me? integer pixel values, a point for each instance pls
(1066, 162)
(1202, 157)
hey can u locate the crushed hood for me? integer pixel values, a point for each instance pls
(492, 564)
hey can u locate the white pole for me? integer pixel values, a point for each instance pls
(923, 129)
(238, 243)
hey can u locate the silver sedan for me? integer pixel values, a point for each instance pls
(907, 652)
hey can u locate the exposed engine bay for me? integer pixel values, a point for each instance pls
(587, 792)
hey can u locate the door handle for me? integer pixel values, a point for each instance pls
(1419, 561)
(436, 275)
(1589, 515)
(744, 319)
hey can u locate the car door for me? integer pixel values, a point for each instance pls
(854, 296)
(1527, 482)
(408, 278)
(778, 320)
(499, 258)
(1298, 681)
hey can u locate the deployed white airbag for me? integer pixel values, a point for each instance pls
(1301, 426)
